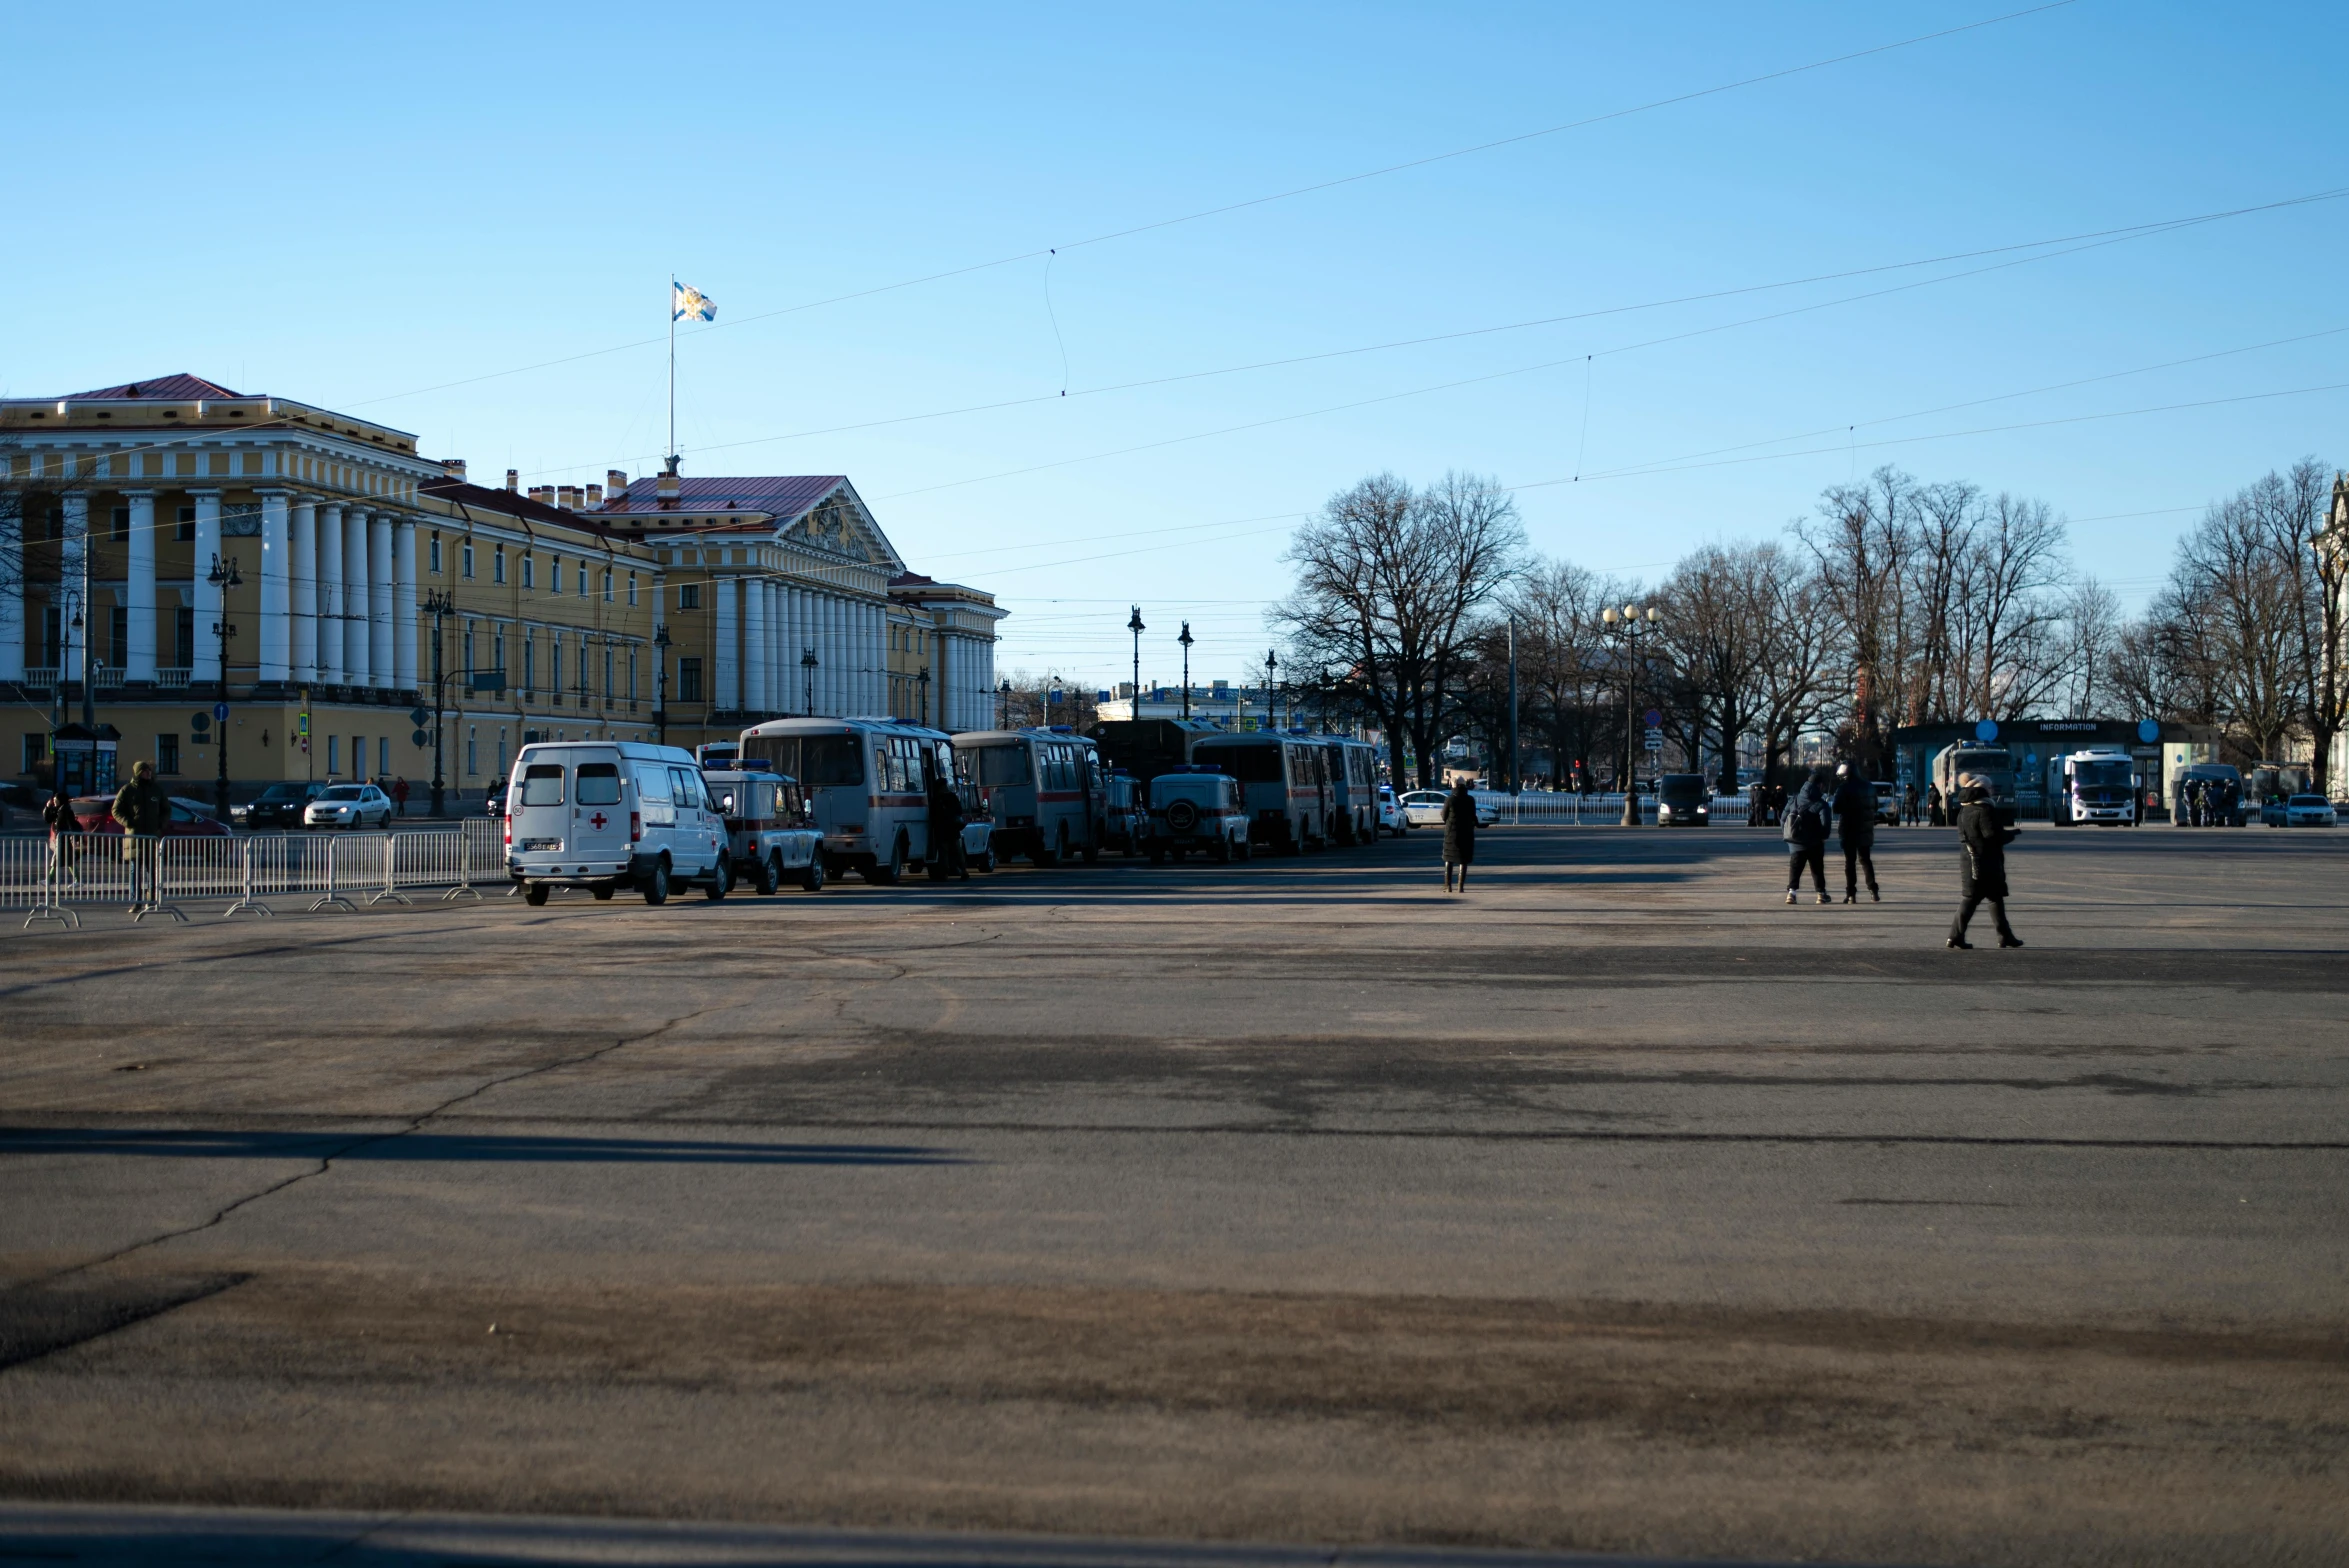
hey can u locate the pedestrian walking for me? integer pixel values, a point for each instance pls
(399, 794)
(64, 830)
(1810, 817)
(1909, 803)
(1934, 805)
(946, 856)
(1855, 821)
(1983, 836)
(1459, 835)
(142, 808)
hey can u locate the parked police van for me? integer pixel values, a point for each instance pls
(1284, 781)
(866, 783)
(1195, 807)
(769, 834)
(606, 815)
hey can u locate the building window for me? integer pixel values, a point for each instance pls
(187, 523)
(53, 637)
(36, 752)
(334, 755)
(631, 587)
(472, 752)
(465, 561)
(530, 573)
(468, 647)
(689, 680)
(183, 637)
(121, 525)
(607, 585)
(497, 564)
(383, 757)
(689, 596)
(118, 637)
(167, 753)
(554, 664)
(607, 672)
(583, 580)
(497, 647)
(632, 673)
(530, 661)
(435, 553)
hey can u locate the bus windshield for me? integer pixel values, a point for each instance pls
(2100, 775)
(1248, 764)
(817, 760)
(994, 766)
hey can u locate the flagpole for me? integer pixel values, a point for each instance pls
(672, 453)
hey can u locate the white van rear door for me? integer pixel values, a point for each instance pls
(599, 817)
(541, 808)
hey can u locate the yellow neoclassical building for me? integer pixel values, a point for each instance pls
(171, 549)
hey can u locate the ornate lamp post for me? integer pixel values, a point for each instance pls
(923, 681)
(1003, 707)
(1627, 626)
(662, 643)
(224, 576)
(1185, 640)
(438, 603)
(1272, 671)
(1134, 625)
(807, 670)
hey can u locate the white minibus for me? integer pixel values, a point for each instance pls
(867, 782)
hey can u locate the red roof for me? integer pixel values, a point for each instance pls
(173, 389)
(777, 495)
(481, 498)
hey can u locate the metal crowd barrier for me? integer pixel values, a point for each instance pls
(1544, 808)
(52, 878)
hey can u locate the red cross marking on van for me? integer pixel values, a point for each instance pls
(596, 821)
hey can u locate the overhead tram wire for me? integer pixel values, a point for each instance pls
(1260, 201)
(1498, 375)
(2083, 240)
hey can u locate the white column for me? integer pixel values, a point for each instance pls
(276, 603)
(302, 583)
(355, 596)
(379, 600)
(775, 680)
(139, 662)
(330, 596)
(726, 688)
(794, 644)
(404, 605)
(877, 655)
(835, 667)
(754, 644)
(204, 662)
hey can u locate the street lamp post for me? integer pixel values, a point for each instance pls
(807, 670)
(1134, 625)
(1628, 625)
(438, 603)
(1272, 705)
(223, 576)
(662, 643)
(1003, 707)
(1185, 640)
(923, 681)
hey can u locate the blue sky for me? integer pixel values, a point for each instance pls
(360, 207)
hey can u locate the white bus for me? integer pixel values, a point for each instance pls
(1044, 789)
(1353, 776)
(1284, 779)
(867, 782)
(2094, 784)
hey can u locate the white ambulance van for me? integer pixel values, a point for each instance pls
(606, 815)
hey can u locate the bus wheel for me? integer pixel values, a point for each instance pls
(888, 875)
(812, 879)
(769, 874)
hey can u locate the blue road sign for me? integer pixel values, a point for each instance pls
(220, 712)
(1987, 730)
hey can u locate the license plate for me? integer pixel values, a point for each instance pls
(542, 843)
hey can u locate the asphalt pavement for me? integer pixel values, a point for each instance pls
(1610, 1207)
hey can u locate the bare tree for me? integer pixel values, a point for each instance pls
(1720, 635)
(2291, 508)
(2092, 638)
(1391, 582)
(2248, 631)
(1862, 539)
(1562, 661)
(2005, 610)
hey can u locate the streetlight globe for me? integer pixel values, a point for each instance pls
(1608, 615)
(1631, 612)
(1654, 615)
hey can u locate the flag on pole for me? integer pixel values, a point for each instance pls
(685, 301)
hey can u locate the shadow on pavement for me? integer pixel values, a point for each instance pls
(410, 1147)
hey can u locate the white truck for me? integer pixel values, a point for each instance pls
(2096, 784)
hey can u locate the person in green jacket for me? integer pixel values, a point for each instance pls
(142, 808)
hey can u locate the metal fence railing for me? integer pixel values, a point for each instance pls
(53, 877)
(1544, 808)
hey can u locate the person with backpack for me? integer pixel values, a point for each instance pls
(1983, 836)
(1810, 817)
(1855, 819)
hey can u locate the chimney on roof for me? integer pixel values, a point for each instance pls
(669, 483)
(454, 468)
(616, 484)
(544, 495)
(595, 497)
(567, 497)
(513, 479)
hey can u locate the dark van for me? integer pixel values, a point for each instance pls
(1684, 800)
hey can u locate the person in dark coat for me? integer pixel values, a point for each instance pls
(1855, 820)
(946, 856)
(1983, 835)
(143, 809)
(1809, 817)
(1909, 797)
(1459, 835)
